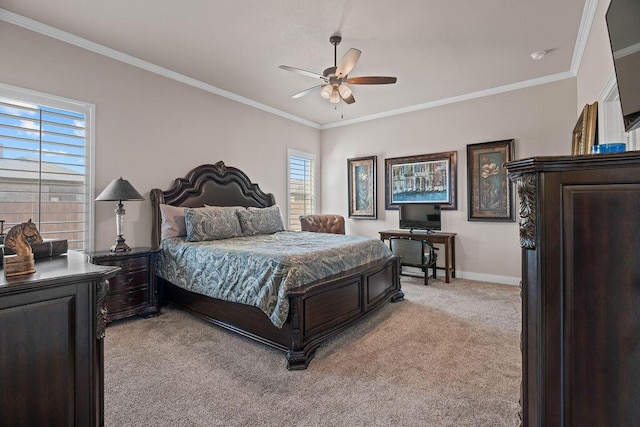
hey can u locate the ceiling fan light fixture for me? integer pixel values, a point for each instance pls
(537, 56)
(333, 87)
(326, 91)
(344, 90)
(335, 96)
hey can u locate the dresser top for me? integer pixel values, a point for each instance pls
(585, 161)
(70, 267)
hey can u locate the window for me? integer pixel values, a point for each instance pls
(302, 186)
(44, 165)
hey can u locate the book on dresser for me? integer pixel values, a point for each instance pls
(47, 249)
(133, 290)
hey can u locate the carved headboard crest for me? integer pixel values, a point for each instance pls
(220, 168)
(214, 185)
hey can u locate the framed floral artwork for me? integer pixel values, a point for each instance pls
(362, 187)
(488, 188)
(426, 178)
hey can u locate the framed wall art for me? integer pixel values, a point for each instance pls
(362, 187)
(427, 178)
(488, 187)
(585, 132)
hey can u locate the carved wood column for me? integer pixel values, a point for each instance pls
(101, 309)
(526, 189)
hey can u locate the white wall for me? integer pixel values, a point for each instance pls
(596, 78)
(150, 129)
(540, 119)
(596, 67)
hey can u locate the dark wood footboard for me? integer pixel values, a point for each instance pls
(323, 308)
(317, 310)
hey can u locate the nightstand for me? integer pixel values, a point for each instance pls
(133, 290)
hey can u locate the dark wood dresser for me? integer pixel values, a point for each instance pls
(51, 349)
(580, 234)
(133, 290)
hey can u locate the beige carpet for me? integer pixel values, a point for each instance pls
(446, 356)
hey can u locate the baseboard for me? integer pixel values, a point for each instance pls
(505, 280)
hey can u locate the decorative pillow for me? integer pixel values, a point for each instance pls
(173, 224)
(211, 224)
(225, 208)
(260, 220)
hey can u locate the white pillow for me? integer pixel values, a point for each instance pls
(173, 224)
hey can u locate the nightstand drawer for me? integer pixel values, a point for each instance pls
(127, 300)
(131, 264)
(123, 282)
(133, 290)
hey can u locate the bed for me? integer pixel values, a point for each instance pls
(315, 311)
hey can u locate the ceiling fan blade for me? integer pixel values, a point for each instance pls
(304, 72)
(307, 91)
(347, 62)
(371, 80)
(349, 99)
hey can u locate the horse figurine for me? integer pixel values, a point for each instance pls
(21, 236)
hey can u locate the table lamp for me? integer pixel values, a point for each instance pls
(119, 190)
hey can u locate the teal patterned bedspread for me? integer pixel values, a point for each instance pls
(259, 270)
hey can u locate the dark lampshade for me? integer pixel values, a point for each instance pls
(119, 189)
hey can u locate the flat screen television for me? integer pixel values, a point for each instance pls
(420, 216)
(623, 22)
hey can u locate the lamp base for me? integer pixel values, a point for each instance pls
(120, 245)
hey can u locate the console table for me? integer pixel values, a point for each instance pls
(446, 239)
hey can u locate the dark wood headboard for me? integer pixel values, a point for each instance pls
(214, 185)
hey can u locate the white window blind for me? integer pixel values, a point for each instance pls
(302, 186)
(44, 170)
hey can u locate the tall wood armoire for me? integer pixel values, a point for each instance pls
(580, 238)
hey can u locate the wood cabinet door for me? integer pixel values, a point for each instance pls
(48, 357)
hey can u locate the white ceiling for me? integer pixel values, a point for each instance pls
(436, 49)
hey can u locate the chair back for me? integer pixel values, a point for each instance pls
(418, 253)
(411, 251)
(327, 223)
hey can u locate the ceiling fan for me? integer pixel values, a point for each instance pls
(335, 79)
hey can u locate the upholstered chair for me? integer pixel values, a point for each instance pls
(327, 223)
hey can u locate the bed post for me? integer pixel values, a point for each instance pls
(157, 198)
(297, 358)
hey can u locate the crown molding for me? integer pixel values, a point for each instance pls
(454, 99)
(629, 50)
(586, 22)
(583, 35)
(47, 30)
